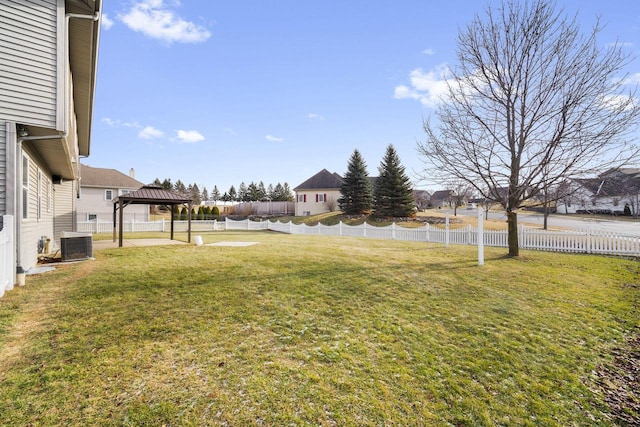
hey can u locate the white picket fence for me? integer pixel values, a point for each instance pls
(576, 241)
(7, 255)
(97, 227)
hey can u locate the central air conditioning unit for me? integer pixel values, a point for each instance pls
(76, 246)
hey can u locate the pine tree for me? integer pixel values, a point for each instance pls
(233, 195)
(215, 194)
(356, 192)
(243, 192)
(205, 194)
(393, 193)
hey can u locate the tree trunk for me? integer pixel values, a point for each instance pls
(546, 216)
(512, 223)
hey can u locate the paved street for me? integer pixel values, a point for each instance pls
(559, 220)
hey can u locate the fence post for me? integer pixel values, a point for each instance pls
(340, 228)
(364, 229)
(468, 234)
(446, 230)
(480, 237)
(589, 239)
(290, 227)
(427, 233)
(393, 231)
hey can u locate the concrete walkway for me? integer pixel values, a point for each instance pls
(127, 243)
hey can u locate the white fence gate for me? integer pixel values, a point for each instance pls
(7, 254)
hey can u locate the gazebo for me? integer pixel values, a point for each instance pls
(149, 195)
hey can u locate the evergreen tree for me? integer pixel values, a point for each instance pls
(262, 192)
(393, 193)
(179, 187)
(270, 191)
(287, 194)
(166, 184)
(157, 182)
(215, 194)
(204, 196)
(252, 192)
(194, 193)
(233, 195)
(243, 193)
(183, 214)
(226, 197)
(356, 192)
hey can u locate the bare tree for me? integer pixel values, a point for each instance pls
(531, 94)
(461, 192)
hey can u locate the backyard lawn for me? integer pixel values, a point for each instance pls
(320, 331)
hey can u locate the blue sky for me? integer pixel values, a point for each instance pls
(217, 93)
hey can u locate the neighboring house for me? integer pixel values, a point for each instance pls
(49, 52)
(99, 187)
(442, 199)
(608, 193)
(319, 194)
(422, 199)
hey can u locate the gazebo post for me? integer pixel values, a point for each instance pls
(114, 222)
(172, 219)
(189, 224)
(121, 216)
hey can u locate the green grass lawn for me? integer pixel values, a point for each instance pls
(309, 330)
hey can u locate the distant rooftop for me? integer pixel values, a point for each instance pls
(107, 178)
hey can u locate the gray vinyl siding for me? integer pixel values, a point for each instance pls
(29, 64)
(64, 208)
(35, 226)
(3, 168)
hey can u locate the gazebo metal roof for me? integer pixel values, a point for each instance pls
(150, 195)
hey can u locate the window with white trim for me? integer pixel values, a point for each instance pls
(108, 194)
(39, 203)
(92, 217)
(25, 187)
(302, 198)
(321, 198)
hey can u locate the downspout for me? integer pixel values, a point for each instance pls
(20, 272)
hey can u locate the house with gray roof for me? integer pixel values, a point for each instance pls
(99, 187)
(318, 194)
(612, 192)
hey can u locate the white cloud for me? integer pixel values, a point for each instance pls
(429, 52)
(314, 116)
(427, 87)
(153, 19)
(190, 136)
(273, 138)
(150, 132)
(110, 121)
(106, 21)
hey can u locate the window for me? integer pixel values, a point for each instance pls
(124, 192)
(39, 204)
(92, 217)
(302, 198)
(321, 198)
(108, 194)
(25, 187)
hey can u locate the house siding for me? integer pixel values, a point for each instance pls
(309, 205)
(64, 202)
(29, 70)
(92, 201)
(40, 212)
(3, 169)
